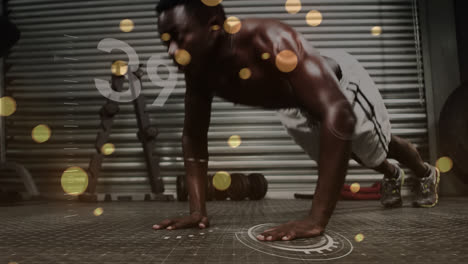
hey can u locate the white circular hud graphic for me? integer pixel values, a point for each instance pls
(327, 247)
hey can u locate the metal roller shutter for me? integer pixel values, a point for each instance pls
(54, 65)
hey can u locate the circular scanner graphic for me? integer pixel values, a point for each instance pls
(327, 247)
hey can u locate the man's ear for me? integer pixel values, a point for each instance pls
(213, 22)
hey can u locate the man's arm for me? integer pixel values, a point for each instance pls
(195, 148)
(317, 89)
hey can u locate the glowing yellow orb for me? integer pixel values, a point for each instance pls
(166, 36)
(107, 149)
(41, 133)
(359, 238)
(7, 106)
(212, 2)
(119, 68)
(444, 164)
(355, 187)
(376, 31)
(232, 25)
(293, 6)
(127, 25)
(182, 57)
(222, 180)
(74, 181)
(266, 56)
(245, 73)
(314, 18)
(215, 27)
(234, 141)
(98, 211)
(286, 61)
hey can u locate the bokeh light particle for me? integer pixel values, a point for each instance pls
(166, 36)
(355, 187)
(182, 57)
(7, 106)
(108, 149)
(98, 211)
(314, 18)
(119, 68)
(376, 31)
(293, 6)
(444, 164)
(232, 25)
(286, 61)
(234, 141)
(127, 25)
(359, 238)
(215, 27)
(74, 181)
(212, 2)
(245, 73)
(222, 180)
(266, 56)
(41, 133)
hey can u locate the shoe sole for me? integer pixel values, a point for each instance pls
(437, 191)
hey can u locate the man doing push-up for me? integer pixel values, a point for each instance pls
(326, 100)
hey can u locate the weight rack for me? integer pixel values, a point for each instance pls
(146, 134)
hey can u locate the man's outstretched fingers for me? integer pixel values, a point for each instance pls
(179, 224)
(261, 237)
(163, 224)
(265, 236)
(276, 236)
(289, 236)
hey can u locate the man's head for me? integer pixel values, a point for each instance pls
(189, 25)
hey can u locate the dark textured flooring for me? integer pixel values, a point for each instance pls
(69, 232)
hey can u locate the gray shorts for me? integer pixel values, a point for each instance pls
(372, 132)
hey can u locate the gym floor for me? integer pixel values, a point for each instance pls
(359, 232)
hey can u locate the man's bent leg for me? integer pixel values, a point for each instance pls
(405, 152)
(392, 182)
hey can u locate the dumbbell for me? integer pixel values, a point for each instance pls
(182, 191)
(258, 186)
(254, 186)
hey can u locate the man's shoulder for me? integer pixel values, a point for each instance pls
(265, 26)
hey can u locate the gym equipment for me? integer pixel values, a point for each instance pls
(453, 131)
(210, 189)
(10, 35)
(239, 189)
(217, 194)
(146, 134)
(254, 186)
(258, 186)
(182, 193)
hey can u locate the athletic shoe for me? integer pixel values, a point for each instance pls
(427, 189)
(391, 190)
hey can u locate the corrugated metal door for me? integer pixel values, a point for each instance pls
(55, 63)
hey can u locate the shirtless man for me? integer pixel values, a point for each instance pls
(266, 63)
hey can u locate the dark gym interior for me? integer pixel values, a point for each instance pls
(85, 174)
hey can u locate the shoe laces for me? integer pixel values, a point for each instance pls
(425, 185)
(390, 186)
